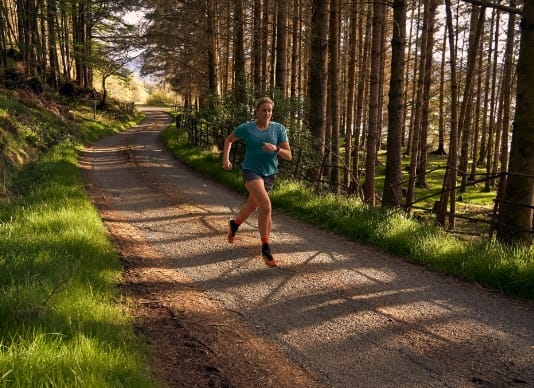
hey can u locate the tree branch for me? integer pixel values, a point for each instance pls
(500, 7)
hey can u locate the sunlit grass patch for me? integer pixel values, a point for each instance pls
(64, 321)
(37, 358)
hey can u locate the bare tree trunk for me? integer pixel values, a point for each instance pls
(425, 107)
(64, 47)
(333, 82)
(281, 48)
(365, 43)
(42, 51)
(507, 88)
(416, 141)
(349, 127)
(374, 110)
(381, 81)
(78, 40)
(414, 88)
(464, 123)
(5, 28)
(265, 44)
(487, 82)
(449, 180)
(407, 69)
(477, 124)
(257, 47)
(213, 62)
(441, 127)
(227, 65)
(317, 82)
(516, 209)
(492, 127)
(240, 85)
(272, 64)
(295, 38)
(392, 196)
(52, 43)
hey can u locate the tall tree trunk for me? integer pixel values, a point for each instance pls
(27, 34)
(414, 87)
(213, 62)
(317, 81)
(281, 48)
(416, 139)
(349, 127)
(516, 209)
(257, 47)
(464, 121)
(5, 27)
(425, 108)
(365, 44)
(265, 44)
(42, 51)
(228, 72)
(333, 82)
(392, 195)
(449, 180)
(407, 74)
(52, 43)
(272, 64)
(492, 126)
(381, 81)
(374, 109)
(478, 108)
(487, 82)
(78, 39)
(507, 88)
(295, 50)
(441, 126)
(240, 78)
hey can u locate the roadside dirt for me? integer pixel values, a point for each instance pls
(334, 313)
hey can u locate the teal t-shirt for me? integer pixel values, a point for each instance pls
(256, 159)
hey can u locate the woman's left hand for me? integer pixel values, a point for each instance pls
(269, 147)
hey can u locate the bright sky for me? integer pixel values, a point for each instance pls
(133, 17)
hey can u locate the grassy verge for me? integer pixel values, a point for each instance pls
(64, 322)
(510, 270)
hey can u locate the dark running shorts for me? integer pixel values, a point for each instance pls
(268, 181)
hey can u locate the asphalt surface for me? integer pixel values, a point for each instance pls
(355, 316)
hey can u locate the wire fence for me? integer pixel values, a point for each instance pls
(317, 173)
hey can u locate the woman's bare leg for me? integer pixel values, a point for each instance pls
(258, 197)
(247, 209)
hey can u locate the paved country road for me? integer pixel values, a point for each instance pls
(334, 313)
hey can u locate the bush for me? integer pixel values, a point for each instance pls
(12, 79)
(35, 85)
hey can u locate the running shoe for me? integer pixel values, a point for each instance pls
(232, 230)
(267, 256)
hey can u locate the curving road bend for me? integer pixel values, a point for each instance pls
(350, 315)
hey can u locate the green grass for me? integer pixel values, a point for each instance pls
(63, 322)
(484, 261)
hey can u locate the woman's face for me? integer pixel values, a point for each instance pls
(264, 111)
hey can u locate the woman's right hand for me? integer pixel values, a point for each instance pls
(227, 165)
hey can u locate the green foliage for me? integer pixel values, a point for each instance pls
(204, 160)
(486, 262)
(159, 97)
